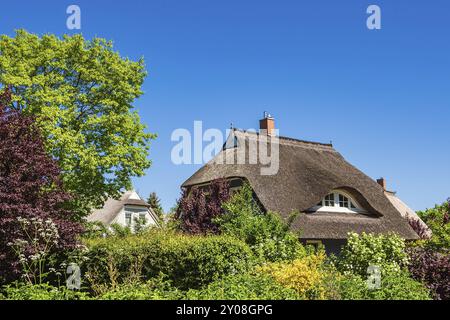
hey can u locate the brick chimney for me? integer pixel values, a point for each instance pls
(267, 124)
(382, 182)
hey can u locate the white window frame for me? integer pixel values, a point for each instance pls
(136, 212)
(129, 221)
(142, 215)
(336, 208)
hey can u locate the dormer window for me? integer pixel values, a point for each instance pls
(328, 201)
(231, 143)
(338, 201)
(134, 212)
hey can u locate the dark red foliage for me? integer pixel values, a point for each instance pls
(432, 269)
(29, 186)
(198, 207)
(419, 227)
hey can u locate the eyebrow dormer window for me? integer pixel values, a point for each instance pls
(338, 201)
(344, 202)
(328, 201)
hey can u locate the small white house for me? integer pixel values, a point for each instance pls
(125, 211)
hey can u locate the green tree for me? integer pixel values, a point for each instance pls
(155, 203)
(267, 234)
(438, 220)
(81, 94)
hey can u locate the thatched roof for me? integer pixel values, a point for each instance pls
(308, 171)
(112, 208)
(407, 212)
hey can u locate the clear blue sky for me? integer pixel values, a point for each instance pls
(382, 97)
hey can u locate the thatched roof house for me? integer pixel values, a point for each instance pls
(124, 211)
(333, 196)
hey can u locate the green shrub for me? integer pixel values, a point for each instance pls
(119, 231)
(244, 287)
(188, 261)
(394, 286)
(386, 252)
(362, 251)
(40, 292)
(156, 289)
(94, 230)
(266, 233)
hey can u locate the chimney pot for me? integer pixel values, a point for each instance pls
(267, 124)
(382, 183)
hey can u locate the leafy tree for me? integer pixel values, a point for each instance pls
(155, 203)
(198, 207)
(266, 233)
(30, 188)
(438, 220)
(80, 93)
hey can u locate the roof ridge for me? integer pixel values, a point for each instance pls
(307, 141)
(330, 145)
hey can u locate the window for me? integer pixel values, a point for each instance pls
(128, 218)
(343, 201)
(133, 213)
(329, 200)
(338, 201)
(231, 143)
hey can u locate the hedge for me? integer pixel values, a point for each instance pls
(187, 261)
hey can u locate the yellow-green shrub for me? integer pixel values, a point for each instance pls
(304, 275)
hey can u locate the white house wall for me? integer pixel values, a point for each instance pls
(121, 218)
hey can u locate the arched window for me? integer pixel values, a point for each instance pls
(338, 201)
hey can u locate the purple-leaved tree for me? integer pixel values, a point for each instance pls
(198, 207)
(29, 188)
